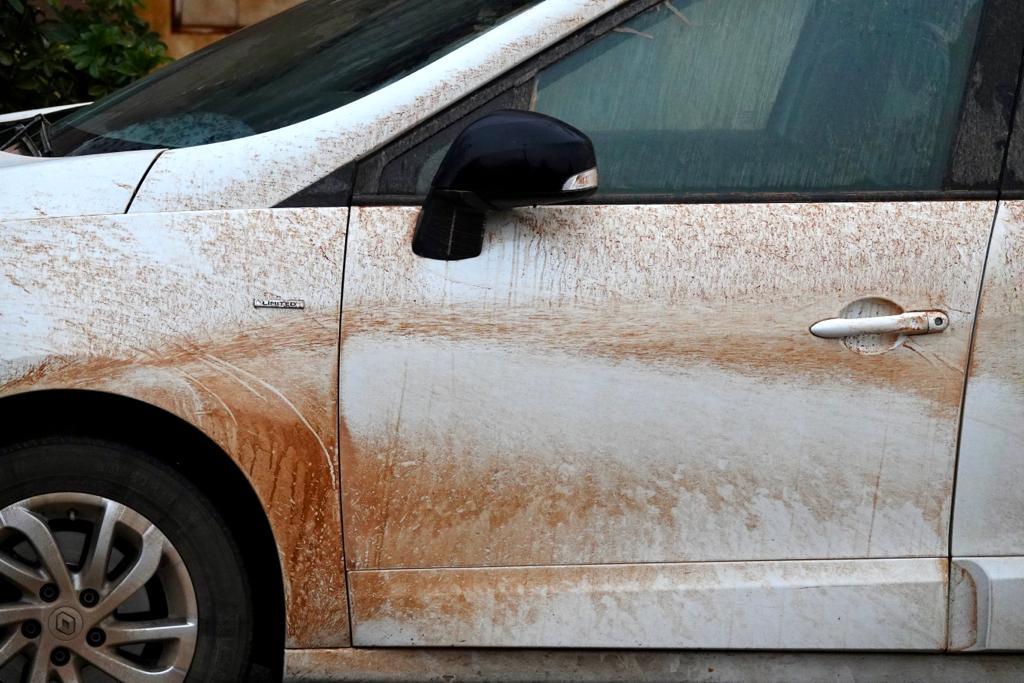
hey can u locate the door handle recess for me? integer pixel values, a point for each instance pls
(913, 322)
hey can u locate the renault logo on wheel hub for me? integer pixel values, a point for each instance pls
(65, 623)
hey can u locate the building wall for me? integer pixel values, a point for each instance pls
(188, 25)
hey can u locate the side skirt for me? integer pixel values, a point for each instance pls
(791, 605)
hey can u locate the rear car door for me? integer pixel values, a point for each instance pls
(613, 428)
(987, 577)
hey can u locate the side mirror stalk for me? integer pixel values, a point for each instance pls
(447, 231)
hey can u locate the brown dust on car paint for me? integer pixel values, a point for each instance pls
(243, 379)
(641, 295)
(438, 607)
(989, 501)
(176, 328)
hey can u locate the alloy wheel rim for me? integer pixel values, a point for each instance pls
(91, 590)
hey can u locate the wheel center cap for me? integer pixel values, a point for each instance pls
(65, 623)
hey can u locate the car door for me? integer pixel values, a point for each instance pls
(613, 427)
(987, 578)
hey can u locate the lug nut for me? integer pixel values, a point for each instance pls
(60, 656)
(31, 629)
(89, 597)
(49, 592)
(95, 637)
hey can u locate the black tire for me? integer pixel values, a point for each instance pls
(184, 515)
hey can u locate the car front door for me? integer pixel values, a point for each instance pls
(613, 427)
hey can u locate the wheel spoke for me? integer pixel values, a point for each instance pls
(143, 570)
(23, 576)
(95, 570)
(126, 632)
(18, 612)
(40, 671)
(38, 533)
(128, 672)
(12, 645)
(70, 673)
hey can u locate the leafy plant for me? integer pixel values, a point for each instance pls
(54, 53)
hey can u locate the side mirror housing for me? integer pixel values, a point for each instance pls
(504, 160)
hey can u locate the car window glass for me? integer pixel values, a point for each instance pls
(770, 95)
(314, 58)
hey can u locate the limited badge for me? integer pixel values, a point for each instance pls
(278, 303)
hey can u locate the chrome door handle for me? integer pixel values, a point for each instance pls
(913, 322)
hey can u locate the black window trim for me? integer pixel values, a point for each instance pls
(977, 155)
(1012, 180)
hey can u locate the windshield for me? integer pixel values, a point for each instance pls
(311, 59)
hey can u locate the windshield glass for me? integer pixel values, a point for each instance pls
(311, 59)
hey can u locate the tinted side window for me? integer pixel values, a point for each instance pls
(771, 95)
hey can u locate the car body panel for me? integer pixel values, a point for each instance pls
(989, 497)
(160, 308)
(93, 185)
(985, 598)
(611, 429)
(29, 113)
(554, 431)
(263, 170)
(852, 604)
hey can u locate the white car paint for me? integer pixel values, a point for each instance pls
(985, 598)
(822, 605)
(877, 556)
(570, 397)
(990, 498)
(159, 308)
(93, 185)
(29, 113)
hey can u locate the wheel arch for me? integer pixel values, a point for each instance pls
(176, 442)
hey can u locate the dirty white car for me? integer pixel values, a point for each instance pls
(519, 324)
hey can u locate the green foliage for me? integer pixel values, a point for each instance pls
(52, 53)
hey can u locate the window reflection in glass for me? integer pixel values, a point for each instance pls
(224, 15)
(771, 95)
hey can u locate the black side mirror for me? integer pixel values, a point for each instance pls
(501, 161)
